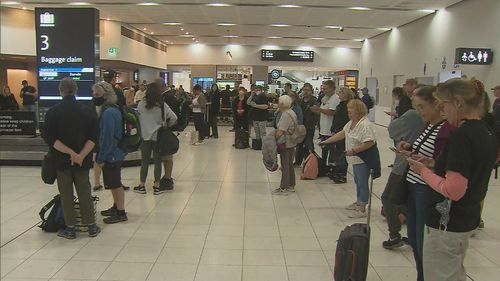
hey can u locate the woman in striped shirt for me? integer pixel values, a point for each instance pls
(430, 143)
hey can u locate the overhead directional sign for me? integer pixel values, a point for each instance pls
(287, 55)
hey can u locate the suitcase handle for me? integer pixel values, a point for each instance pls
(370, 199)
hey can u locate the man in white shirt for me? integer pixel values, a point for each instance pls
(326, 111)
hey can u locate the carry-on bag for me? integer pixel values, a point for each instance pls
(353, 248)
(241, 139)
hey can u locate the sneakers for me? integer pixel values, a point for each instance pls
(167, 184)
(68, 233)
(140, 189)
(94, 230)
(159, 190)
(358, 214)
(281, 191)
(109, 212)
(116, 218)
(97, 188)
(353, 207)
(393, 243)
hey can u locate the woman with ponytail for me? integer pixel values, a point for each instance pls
(457, 180)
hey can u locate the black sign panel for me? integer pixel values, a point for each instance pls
(287, 55)
(475, 56)
(17, 123)
(67, 41)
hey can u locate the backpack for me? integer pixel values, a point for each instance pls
(310, 169)
(55, 219)
(131, 139)
(299, 133)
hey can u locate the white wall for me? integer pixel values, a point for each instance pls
(405, 50)
(335, 58)
(17, 32)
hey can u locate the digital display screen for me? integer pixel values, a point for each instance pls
(67, 41)
(260, 83)
(475, 56)
(287, 55)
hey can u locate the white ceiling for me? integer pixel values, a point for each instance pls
(253, 19)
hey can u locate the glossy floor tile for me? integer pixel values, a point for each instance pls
(219, 223)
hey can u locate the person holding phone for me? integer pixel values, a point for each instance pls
(429, 144)
(457, 180)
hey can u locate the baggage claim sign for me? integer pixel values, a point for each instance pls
(67, 41)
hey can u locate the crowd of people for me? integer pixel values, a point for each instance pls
(445, 140)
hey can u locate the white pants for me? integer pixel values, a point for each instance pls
(444, 254)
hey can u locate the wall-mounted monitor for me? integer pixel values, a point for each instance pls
(287, 55)
(260, 83)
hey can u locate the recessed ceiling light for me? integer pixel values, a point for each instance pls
(360, 8)
(290, 6)
(226, 24)
(148, 4)
(152, 33)
(218, 5)
(333, 26)
(274, 37)
(79, 3)
(280, 25)
(24, 8)
(171, 23)
(187, 33)
(231, 36)
(144, 29)
(108, 19)
(10, 3)
(318, 38)
(358, 40)
(427, 11)
(193, 38)
(384, 28)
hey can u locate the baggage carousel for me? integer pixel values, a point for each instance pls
(29, 151)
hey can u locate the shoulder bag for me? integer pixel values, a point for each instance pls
(167, 141)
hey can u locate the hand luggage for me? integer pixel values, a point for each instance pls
(353, 247)
(310, 169)
(241, 139)
(257, 144)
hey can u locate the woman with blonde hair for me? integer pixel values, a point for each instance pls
(359, 136)
(458, 181)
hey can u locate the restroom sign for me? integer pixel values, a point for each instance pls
(477, 56)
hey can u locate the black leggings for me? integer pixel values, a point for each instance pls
(200, 124)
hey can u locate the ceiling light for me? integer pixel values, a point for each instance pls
(79, 3)
(193, 38)
(108, 19)
(10, 3)
(360, 8)
(218, 5)
(384, 28)
(280, 25)
(427, 11)
(144, 29)
(152, 33)
(171, 23)
(24, 8)
(290, 6)
(333, 26)
(182, 29)
(358, 40)
(148, 4)
(226, 24)
(186, 33)
(230, 36)
(318, 38)
(274, 37)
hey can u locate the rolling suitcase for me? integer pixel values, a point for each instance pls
(241, 139)
(353, 248)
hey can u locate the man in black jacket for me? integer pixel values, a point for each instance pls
(310, 120)
(71, 131)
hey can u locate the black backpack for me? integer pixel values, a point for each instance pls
(55, 220)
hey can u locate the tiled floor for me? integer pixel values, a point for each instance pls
(220, 223)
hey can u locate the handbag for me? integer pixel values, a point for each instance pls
(299, 133)
(49, 171)
(167, 141)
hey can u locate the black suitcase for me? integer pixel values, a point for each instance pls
(241, 139)
(353, 248)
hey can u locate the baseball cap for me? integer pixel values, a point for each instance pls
(109, 73)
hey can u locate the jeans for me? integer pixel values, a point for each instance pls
(147, 148)
(361, 177)
(391, 211)
(260, 129)
(80, 179)
(213, 120)
(415, 223)
(305, 147)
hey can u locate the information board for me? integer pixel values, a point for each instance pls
(287, 55)
(17, 123)
(67, 41)
(475, 56)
